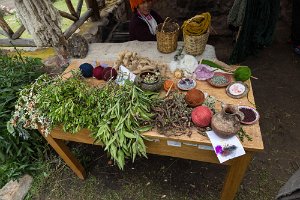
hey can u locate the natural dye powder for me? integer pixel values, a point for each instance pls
(250, 115)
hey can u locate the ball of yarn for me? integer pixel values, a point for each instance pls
(201, 116)
(109, 73)
(98, 72)
(194, 97)
(86, 70)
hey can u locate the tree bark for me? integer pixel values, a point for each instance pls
(42, 21)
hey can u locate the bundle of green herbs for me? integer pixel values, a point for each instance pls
(173, 116)
(115, 115)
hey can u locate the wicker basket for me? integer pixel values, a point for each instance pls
(195, 45)
(167, 36)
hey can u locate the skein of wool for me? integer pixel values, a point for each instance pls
(197, 25)
(109, 73)
(201, 116)
(98, 72)
(86, 70)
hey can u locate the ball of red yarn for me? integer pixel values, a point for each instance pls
(109, 73)
(201, 116)
(98, 72)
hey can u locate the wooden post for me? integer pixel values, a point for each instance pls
(17, 42)
(71, 8)
(77, 24)
(93, 4)
(79, 7)
(6, 27)
(235, 176)
(67, 15)
(65, 153)
(18, 33)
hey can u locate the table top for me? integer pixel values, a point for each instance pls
(219, 93)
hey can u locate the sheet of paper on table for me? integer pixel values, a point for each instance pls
(126, 74)
(216, 140)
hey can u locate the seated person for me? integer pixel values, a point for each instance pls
(143, 24)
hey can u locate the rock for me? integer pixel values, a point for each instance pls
(16, 190)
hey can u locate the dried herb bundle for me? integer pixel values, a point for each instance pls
(173, 116)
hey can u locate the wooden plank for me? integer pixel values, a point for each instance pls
(17, 42)
(186, 151)
(77, 24)
(79, 7)
(19, 32)
(3, 33)
(93, 4)
(64, 152)
(71, 8)
(82, 136)
(235, 176)
(67, 15)
(6, 27)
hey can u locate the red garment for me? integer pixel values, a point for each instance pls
(139, 30)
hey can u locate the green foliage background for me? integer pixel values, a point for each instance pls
(17, 155)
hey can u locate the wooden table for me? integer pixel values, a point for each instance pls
(196, 147)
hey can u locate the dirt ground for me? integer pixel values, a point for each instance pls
(277, 95)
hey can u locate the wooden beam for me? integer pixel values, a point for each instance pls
(19, 32)
(79, 7)
(64, 152)
(78, 23)
(6, 27)
(93, 4)
(3, 33)
(67, 15)
(235, 174)
(17, 43)
(71, 8)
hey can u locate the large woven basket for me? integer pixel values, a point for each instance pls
(195, 45)
(167, 36)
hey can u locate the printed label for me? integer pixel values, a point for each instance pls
(173, 143)
(205, 147)
(190, 144)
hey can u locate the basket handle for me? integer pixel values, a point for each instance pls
(168, 19)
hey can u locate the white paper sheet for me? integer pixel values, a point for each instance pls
(125, 74)
(216, 140)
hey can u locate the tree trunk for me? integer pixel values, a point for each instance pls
(42, 21)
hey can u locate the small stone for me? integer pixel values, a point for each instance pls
(16, 190)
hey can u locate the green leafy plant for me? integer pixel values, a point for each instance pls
(116, 115)
(18, 155)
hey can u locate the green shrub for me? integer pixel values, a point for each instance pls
(17, 155)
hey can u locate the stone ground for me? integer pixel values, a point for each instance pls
(277, 94)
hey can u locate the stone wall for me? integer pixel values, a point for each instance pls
(185, 9)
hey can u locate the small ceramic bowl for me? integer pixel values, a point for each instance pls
(186, 84)
(227, 77)
(237, 90)
(254, 112)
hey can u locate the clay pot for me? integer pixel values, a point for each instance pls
(227, 122)
(154, 87)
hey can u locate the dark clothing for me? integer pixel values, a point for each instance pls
(139, 30)
(296, 22)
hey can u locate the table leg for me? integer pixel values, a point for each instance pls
(235, 176)
(65, 153)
